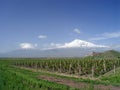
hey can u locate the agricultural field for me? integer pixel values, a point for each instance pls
(89, 73)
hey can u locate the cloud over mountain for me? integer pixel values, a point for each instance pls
(27, 45)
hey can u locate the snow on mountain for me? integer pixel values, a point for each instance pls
(81, 44)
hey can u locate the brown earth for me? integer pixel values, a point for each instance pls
(75, 84)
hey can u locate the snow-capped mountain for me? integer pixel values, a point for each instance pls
(81, 44)
(75, 48)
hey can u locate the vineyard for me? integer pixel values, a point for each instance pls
(77, 66)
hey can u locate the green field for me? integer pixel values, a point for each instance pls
(89, 73)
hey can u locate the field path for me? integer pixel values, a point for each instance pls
(74, 84)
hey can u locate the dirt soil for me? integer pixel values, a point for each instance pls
(75, 84)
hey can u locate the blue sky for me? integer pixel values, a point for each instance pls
(41, 23)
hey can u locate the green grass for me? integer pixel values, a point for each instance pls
(112, 78)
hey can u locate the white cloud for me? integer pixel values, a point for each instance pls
(97, 38)
(76, 30)
(42, 36)
(106, 36)
(55, 45)
(112, 35)
(27, 45)
(52, 46)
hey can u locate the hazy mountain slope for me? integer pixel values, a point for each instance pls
(61, 52)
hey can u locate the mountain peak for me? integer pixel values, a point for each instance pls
(80, 43)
